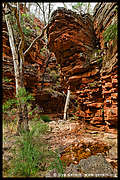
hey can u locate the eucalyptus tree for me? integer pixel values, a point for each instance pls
(18, 54)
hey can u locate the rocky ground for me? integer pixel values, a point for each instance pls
(76, 145)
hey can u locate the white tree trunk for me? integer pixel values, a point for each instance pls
(18, 69)
(66, 104)
(14, 53)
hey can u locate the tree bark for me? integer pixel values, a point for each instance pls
(49, 11)
(14, 53)
(19, 62)
(22, 111)
(66, 104)
(43, 6)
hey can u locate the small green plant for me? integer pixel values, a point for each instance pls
(54, 75)
(74, 117)
(27, 31)
(28, 156)
(9, 109)
(102, 110)
(25, 162)
(24, 96)
(6, 80)
(10, 106)
(92, 84)
(111, 32)
(100, 60)
(43, 51)
(37, 28)
(45, 118)
(57, 164)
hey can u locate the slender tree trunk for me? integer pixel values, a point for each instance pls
(49, 11)
(23, 123)
(22, 120)
(66, 104)
(25, 7)
(88, 8)
(19, 64)
(43, 6)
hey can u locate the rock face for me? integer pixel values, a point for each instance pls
(83, 67)
(86, 63)
(106, 15)
(41, 74)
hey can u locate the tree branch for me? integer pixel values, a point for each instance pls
(39, 7)
(21, 45)
(11, 6)
(40, 36)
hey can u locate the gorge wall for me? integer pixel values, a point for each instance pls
(80, 59)
(88, 68)
(41, 72)
(105, 15)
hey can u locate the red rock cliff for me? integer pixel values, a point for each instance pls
(72, 38)
(41, 73)
(105, 15)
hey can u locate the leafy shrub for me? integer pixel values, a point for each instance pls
(100, 60)
(110, 33)
(24, 96)
(45, 118)
(7, 80)
(26, 159)
(57, 164)
(10, 106)
(29, 157)
(9, 109)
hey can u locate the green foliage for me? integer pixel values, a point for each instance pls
(15, 27)
(28, 157)
(78, 5)
(43, 50)
(9, 113)
(45, 118)
(6, 80)
(37, 28)
(110, 33)
(82, 7)
(74, 117)
(25, 15)
(57, 164)
(100, 60)
(27, 31)
(24, 96)
(92, 84)
(8, 105)
(26, 22)
(39, 128)
(54, 75)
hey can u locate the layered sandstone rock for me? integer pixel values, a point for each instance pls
(41, 74)
(71, 37)
(104, 16)
(85, 63)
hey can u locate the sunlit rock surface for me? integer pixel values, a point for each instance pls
(83, 60)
